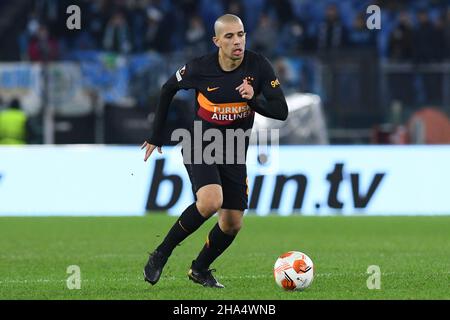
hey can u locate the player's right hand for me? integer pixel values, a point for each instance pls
(149, 149)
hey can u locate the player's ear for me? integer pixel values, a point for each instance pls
(216, 41)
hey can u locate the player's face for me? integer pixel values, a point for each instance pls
(231, 41)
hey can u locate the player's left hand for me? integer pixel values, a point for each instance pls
(246, 90)
(149, 149)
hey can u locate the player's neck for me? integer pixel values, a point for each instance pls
(228, 64)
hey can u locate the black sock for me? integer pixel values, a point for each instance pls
(216, 243)
(189, 221)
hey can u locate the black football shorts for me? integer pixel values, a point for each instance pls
(232, 178)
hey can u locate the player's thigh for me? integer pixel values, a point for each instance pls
(230, 221)
(234, 186)
(206, 186)
(202, 175)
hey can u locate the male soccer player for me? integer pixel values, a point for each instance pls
(227, 83)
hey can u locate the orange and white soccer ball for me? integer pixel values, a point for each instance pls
(293, 270)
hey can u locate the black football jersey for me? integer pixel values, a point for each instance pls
(218, 103)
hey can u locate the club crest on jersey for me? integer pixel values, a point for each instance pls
(180, 73)
(249, 79)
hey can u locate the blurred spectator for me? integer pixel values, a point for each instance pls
(33, 24)
(53, 14)
(138, 24)
(424, 39)
(149, 24)
(332, 33)
(359, 35)
(48, 11)
(235, 7)
(117, 34)
(13, 124)
(265, 36)
(292, 38)
(155, 37)
(43, 47)
(182, 11)
(281, 10)
(195, 36)
(31, 29)
(153, 22)
(400, 40)
(286, 75)
(96, 18)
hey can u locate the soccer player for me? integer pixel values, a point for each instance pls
(227, 83)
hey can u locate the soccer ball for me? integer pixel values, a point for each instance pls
(293, 270)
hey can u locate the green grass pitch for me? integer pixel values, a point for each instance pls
(413, 254)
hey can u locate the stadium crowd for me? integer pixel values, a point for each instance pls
(320, 47)
(417, 31)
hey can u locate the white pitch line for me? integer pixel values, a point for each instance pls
(173, 278)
